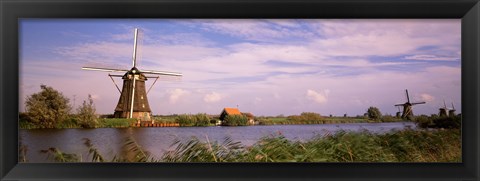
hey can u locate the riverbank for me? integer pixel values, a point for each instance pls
(409, 145)
(173, 121)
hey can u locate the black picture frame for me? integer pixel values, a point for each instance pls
(11, 11)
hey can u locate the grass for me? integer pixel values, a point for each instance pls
(439, 145)
(115, 122)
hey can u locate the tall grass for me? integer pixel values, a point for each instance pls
(397, 146)
(193, 120)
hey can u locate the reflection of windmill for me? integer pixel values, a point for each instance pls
(407, 107)
(133, 101)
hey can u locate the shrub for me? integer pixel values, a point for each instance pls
(86, 114)
(235, 120)
(200, 119)
(374, 113)
(305, 117)
(435, 121)
(47, 108)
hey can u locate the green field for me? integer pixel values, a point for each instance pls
(323, 120)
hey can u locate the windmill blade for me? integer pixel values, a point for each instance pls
(104, 69)
(453, 107)
(408, 98)
(161, 73)
(444, 105)
(418, 103)
(134, 57)
(399, 104)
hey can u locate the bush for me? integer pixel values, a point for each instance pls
(389, 118)
(306, 117)
(193, 120)
(86, 114)
(235, 120)
(374, 113)
(435, 121)
(47, 108)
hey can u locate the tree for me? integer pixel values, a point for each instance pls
(86, 113)
(374, 113)
(47, 108)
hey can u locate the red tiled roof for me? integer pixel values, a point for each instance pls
(232, 111)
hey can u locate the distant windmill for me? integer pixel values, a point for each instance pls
(443, 110)
(133, 101)
(451, 112)
(407, 107)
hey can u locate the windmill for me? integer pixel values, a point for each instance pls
(407, 107)
(443, 110)
(451, 112)
(133, 102)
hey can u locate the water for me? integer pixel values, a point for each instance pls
(158, 140)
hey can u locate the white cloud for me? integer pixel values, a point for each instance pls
(426, 97)
(176, 94)
(319, 97)
(213, 97)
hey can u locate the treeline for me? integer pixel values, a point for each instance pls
(436, 121)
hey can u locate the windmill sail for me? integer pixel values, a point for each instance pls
(407, 107)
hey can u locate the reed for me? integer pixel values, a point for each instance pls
(439, 145)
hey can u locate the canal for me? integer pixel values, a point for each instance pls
(157, 140)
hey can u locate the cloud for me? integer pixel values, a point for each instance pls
(426, 97)
(319, 97)
(176, 94)
(431, 57)
(212, 97)
(268, 30)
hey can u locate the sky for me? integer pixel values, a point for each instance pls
(267, 67)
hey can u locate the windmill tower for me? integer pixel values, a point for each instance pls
(407, 107)
(133, 102)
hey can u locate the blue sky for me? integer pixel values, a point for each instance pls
(267, 67)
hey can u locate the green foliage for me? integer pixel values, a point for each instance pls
(116, 122)
(96, 156)
(200, 119)
(47, 108)
(435, 121)
(374, 113)
(86, 114)
(400, 146)
(59, 156)
(389, 118)
(235, 120)
(196, 151)
(305, 117)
